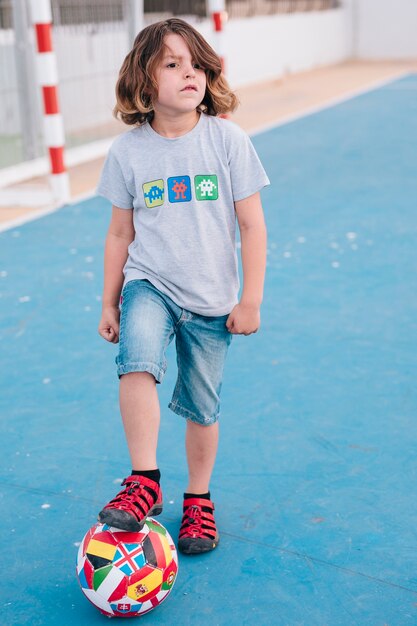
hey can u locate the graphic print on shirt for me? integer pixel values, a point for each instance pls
(154, 193)
(206, 187)
(179, 189)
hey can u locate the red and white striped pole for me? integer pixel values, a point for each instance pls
(217, 9)
(47, 76)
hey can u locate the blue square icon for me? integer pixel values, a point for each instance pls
(179, 189)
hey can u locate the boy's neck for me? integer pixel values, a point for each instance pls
(172, 127)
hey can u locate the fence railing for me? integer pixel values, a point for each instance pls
(250, 8)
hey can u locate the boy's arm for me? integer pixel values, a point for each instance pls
(245, 317)
(120, 234)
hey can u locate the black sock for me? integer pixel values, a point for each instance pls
(204, 496)
(154, 475)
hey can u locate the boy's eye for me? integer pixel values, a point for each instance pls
(197, 66)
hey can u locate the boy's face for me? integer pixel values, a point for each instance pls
(181, 81)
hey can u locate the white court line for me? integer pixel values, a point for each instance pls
(23, 219)
(34, 215)
(19, 221)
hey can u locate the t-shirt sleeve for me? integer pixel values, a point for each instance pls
(246, 171)
(112, 184)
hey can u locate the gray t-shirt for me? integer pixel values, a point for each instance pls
(182, 191)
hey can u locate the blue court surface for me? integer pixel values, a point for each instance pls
(316, 475)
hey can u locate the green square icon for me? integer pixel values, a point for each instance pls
(206, 187)
(153, 192)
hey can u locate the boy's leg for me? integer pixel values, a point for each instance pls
(139, 406)
(201, 446)
(198, 531)
(202, 345)
(141, 497)
(146, 328)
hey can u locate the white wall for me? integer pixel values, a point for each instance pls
(385, 29)
(268, 47)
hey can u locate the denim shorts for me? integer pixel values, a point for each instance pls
(149, 321)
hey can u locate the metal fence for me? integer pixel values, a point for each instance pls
(250, 8)
(75, 12)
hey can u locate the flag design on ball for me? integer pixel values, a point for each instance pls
(127, 573)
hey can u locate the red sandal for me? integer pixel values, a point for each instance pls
(198, 532)
(140, 499)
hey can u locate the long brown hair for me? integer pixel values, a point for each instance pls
(136, 88)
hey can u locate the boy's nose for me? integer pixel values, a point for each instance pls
(189, 71)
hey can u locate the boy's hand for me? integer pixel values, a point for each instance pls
(108, 327)
(244, 319)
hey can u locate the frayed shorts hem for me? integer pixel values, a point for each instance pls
(128, 368)
(192, 417)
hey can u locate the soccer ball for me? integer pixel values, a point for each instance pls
(126, 574)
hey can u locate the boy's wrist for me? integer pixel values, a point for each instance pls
(250, 303)
(110, 304)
